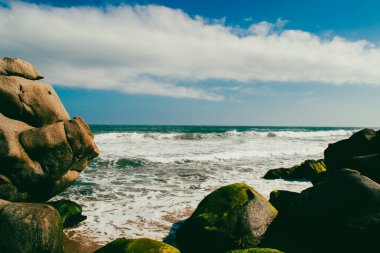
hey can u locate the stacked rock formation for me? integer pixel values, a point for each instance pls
(42, 151)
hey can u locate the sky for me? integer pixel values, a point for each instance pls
(191, 62)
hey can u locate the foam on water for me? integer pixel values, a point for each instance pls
(143, 181)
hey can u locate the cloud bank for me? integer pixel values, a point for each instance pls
(161, 51)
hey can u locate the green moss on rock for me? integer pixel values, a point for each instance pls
(142, 245)
(233, 216)
(255, 250)
(308, 170)
(71, 212)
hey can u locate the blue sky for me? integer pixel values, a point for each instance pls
(204, 62)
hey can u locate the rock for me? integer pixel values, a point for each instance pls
(142, 245)
(281, 200)
(26, 227)
(31, 102)
(18, 67)
(232, 217)
(255, 250)
(70, 212)
(38, 163)
(360, 152)
(308, 170)
(341, 214)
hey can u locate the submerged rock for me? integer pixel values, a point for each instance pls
(341, 214)
(18, 67)
(142, 245)
(308, 170)
(231, 217)
(26, 227)
(70, 212)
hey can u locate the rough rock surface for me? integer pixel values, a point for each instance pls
(32, 102)
(308, 170)
(232, 217)
(42, 151)
(27, 227)
(142, 245)
(341, 214)
(18, 67)
(70, 212)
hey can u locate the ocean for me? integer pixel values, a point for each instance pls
(149, 177)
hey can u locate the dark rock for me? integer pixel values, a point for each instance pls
(232, 217)
(360, 152)
(308, 170)
(142, 245)
(26, 227)
(70, 212)
(281, 200)
(255, 250)
(341, 214)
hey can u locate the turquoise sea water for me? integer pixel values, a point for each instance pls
(148, 177)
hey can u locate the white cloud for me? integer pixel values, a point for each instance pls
(160, 51)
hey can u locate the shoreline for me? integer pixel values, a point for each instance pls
(74, 246)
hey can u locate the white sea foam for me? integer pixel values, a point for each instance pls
(143, 182)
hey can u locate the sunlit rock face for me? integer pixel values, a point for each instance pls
(42, 151)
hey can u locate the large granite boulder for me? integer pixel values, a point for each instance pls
(32, 102)
(28, 227)
(360, 152)
(232, 217)
(141, 245)
(341, 214)
(42, 151)
(18, 67)
(308, 170)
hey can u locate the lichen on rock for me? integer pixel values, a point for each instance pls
(231, 217)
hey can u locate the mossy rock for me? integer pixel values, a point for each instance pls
(281, 200)
(308, 170)
(255, 250)
(71, 212)
(142, 245)
(231, 217)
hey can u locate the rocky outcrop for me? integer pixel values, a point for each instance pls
(341, 214)
(232, 217)
(142, 245)
(29, 227)
(360, 152)
(42, 151)
(308, 170)
(70, 212)
(18, 67)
